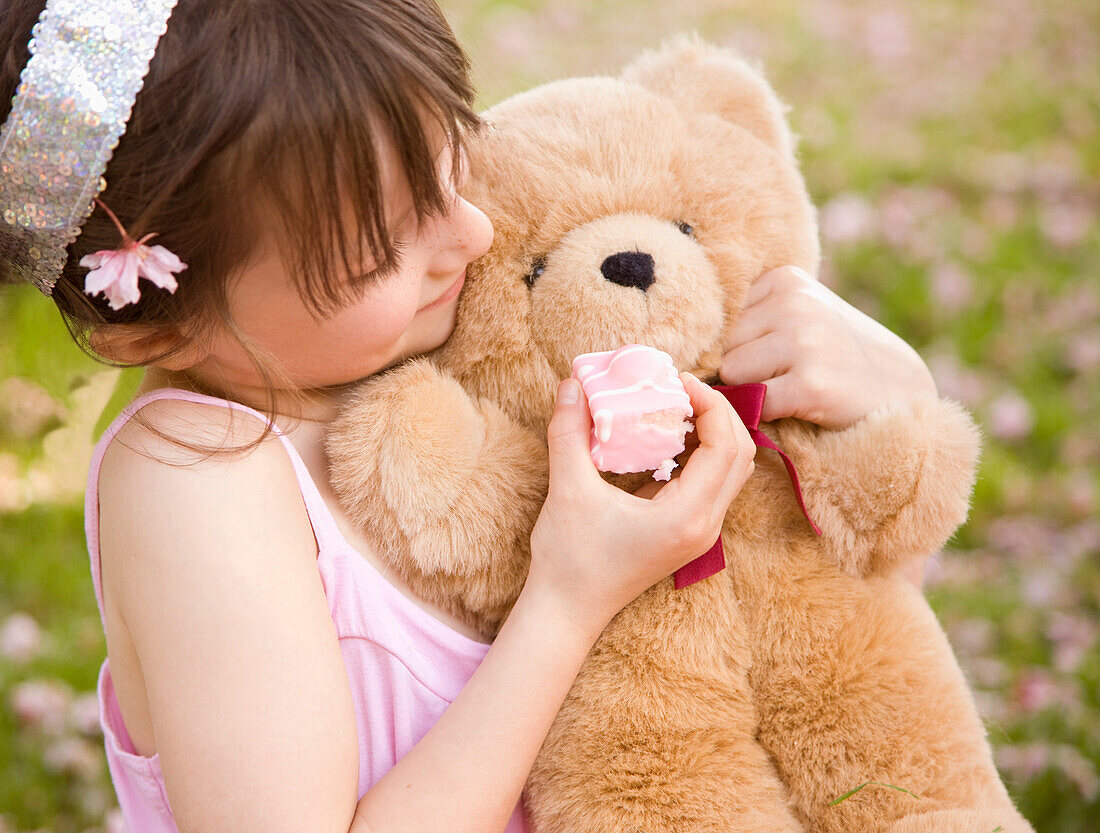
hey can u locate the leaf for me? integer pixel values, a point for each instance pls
(853, 791)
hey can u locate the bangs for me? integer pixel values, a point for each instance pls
(352, 79)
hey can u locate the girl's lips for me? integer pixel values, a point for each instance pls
(449, 295)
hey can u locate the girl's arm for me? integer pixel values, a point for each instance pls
(594, 549)
(211, 568)
(823, 360)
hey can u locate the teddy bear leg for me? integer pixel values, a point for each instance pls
(659, 782)
(1002, 820)
(875, 697)
(658, 734)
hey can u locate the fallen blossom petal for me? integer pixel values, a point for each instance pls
(20, 638)
(1010, 417)
(1035, 690)
(951, 287)
(41, 704)
(847, 218)
(886, 35)
(84, 715)
(112, 821)
(1078, 769)
(75, 756)
(1023, 761)
(1071, 638)
(94, 799)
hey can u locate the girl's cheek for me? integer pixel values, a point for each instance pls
(386, 312)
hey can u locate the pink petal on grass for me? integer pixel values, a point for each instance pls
(1071, 638)
(74, 756)
(1066, 224)
(20, 638)
(848, 218)
(83, 715)
(1024, 761)
(1010, 417)
(41, 704)
(886, 35)
(1034, 691)
(951, 286)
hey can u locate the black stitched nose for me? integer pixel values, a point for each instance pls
(629, 269)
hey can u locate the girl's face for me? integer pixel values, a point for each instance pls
(407, 312)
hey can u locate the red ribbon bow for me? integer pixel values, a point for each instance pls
(748, 401)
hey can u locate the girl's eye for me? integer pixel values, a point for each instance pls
(686, 229)
(537, 268)
(384, 270)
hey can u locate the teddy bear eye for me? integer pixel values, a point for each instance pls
(685, 228)
(537, 268)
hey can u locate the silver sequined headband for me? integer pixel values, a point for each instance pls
(88, 61)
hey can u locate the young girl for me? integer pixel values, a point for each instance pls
(265, 671)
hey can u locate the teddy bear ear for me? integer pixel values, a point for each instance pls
(708, 78)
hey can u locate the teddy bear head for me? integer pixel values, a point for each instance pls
(635, 209)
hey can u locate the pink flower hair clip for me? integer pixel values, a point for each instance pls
(115, 272)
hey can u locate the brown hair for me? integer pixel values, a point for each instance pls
(273, 102)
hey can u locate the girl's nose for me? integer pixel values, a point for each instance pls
(472, 229)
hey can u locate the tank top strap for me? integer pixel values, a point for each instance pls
(324, 526)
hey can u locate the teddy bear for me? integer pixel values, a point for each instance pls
(806, 686)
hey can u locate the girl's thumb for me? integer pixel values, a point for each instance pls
(568, 433)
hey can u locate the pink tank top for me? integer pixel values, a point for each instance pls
(404, 666)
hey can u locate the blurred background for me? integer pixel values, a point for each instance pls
(954, 151)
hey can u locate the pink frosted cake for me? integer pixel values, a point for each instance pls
(639, 409)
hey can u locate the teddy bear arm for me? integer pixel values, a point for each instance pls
(890, 488)
(435, 475)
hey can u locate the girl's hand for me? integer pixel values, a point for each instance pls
(823, 360)
(595, 547)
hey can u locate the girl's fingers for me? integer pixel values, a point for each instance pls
(772, 301)
(753, 322)
(778, 280)
(723, 447)
(779, 312)
(568, 437)
(784, 396)
(761, 288)
(757, 360)
(738, 474)
(714, 416)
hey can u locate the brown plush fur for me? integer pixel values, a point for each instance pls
(751, 700)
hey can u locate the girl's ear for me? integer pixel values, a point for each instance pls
(138, 344)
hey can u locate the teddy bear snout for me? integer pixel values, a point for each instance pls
(629, 269)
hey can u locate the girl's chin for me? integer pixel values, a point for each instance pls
(442, 328)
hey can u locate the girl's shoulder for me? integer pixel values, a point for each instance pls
(194, 480)
(173, 452)
(177, 428)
